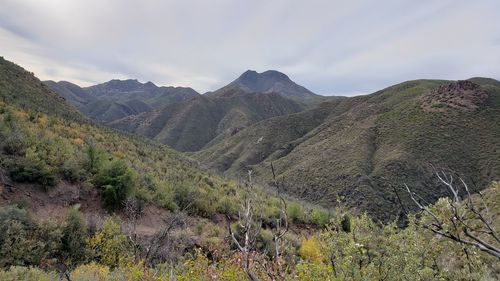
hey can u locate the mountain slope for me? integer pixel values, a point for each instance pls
(189, 126)
(71, 92)
(117, 99)
(360, 148)
(21, 88)
(53, 159)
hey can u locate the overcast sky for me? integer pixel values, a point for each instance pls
(330, 47)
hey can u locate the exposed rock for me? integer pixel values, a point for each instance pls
(461, 95)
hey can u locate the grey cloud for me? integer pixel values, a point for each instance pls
(331, 47)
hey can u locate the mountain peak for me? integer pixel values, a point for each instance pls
(253, 75)
(270, 81)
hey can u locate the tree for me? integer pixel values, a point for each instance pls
(460, 220)
(117, 181)
(249, 229)
(109, 245)
(73, 239)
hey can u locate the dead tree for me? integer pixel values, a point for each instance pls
(282, 221)
(467, 224)
(133, 211)
(249, 228)
(163, 236)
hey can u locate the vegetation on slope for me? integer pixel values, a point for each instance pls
(361, 148)
(349, 248)
(191, 125)
(117, 99)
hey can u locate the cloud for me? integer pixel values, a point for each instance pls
(330, 47)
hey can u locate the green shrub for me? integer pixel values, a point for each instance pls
(15, 144)
(184, 196)
(95, 159)
(15, 247)
(28, 274)
(117, 182)
(110, 246)
(73, 171)
(73, 238)
(296, 213)
(35, 172)
(320, 217)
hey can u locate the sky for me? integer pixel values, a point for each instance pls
(330, 47)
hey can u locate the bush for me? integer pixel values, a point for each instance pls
(73, 171)
(34, 172)
(310, 250)
(110, 246)
(320, 217)
(73, 238)
(14, 249)
(28, 274)
(15, 144)
(296, 212)
(184, 196)
(117, 181)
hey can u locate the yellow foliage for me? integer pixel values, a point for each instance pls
(110, 246)
(19, 114)
(310, 250)
(91, 271)
(43, 119)
(119, 154)
(78, 141)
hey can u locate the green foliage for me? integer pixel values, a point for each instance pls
(109, 246)
(72, 170)
(23, 242)
(320, 217)
(29, 274)
(117, 182)
(307, 270)
(15, 143)
(15, 247)
(296, 212)
(36, 172)
(74, 234)
(199, 267)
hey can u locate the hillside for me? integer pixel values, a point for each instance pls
(22, 89)
(117, 99)
(191, 125)
(360, 148)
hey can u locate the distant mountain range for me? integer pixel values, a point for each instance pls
(182, 118)
(117, 99)
(324, 148)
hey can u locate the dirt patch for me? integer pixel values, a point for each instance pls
(460, 95)
(55, 204)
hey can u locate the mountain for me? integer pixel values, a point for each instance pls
(191, 125)
(72, 93)
(360, 148)
(270, 81)
(149, 93)
(117, 99)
